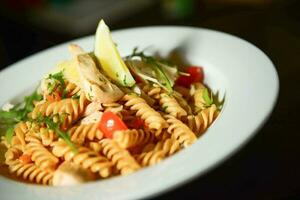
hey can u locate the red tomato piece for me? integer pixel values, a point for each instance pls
(137, 123)
(110, 123)
(25, 159)
(196, 75)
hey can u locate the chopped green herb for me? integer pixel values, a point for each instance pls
(9, 134)
(9, 119)
(124, 80)
(164, 108)
(207, 98)
(55, 126)
(90, 96)
(64, 94)
(160, 71)
(75, 96)
(56, 82)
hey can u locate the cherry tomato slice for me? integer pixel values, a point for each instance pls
(196, 75)
(137, 123)
(110, 123)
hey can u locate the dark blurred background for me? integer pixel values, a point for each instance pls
(268, 167)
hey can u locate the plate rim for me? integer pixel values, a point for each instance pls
(219, 161)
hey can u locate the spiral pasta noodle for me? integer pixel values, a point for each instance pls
(198, 97)
(48, 136)
(12, 154)
(113, 107)
(79, 134)
(131, 138)
(72, 89)
(85, 157)
(153, 119)
(167, 102)
(168, 146)
(41, 156)
(31, 172)
(200, 122)
(120, 157)
(69, 109)
(150, 158)
(179, 131)
(19, 139)
(171, 106)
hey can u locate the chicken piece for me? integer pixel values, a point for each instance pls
(92, 107)
(71, 174)
(75, 50)
(96, 86)
(92, 118)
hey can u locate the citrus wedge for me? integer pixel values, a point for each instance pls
(109, 57)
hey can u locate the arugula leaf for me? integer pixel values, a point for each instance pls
(55, 126)
(155, 70)
(64, 135)
(19, 113)
(208, 99)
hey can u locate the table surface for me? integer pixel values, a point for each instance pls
(267, 167)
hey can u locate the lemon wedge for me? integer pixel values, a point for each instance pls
(109, 57)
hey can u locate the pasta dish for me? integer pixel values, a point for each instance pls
(99, 115)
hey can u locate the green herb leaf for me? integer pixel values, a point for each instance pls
(75, 96)
(164, 108)
(64, 135)
(9, 134)
(207, 98)
(8, 119)
(57, 82)
(55, 126)
(162, 73)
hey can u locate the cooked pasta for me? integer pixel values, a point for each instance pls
(70, 109)
(85, 157)
(90, 120)
(197, 91)
(47, 136)
(132, 138)
(179, 131)
(168, 146)
(120, 157)
(20, 131)
(200, 122)
(81, 133)
(41, 156)
(150, 158)
(153, 119)
(31, 172)
(168, 102)
(72, 89)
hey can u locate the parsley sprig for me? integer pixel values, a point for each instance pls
(57, 83)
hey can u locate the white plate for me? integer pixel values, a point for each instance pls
(232, 66)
